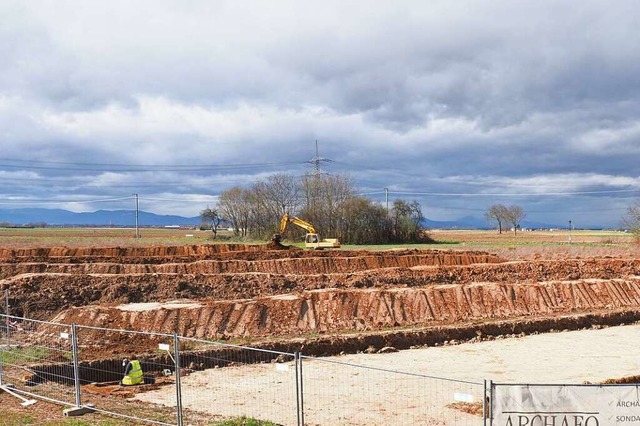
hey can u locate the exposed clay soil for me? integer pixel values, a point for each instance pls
(229, 291)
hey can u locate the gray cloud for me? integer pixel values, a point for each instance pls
(406, 95)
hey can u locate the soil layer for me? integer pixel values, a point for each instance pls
(235, 291)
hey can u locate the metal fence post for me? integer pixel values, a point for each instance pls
(296, 357)
(6, 324)
(6, 312)
(76, 370)
(1, 360)
(484, 404)
(300, 388)
(490, 402)
(176, 350)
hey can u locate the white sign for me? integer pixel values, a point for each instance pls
(565, 405)
(463, 397)
(64, 335)
(163, 346)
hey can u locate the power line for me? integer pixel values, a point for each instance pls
(79, 181)
(211, 199)
(500, 194)
(54, 201)
(146, 168)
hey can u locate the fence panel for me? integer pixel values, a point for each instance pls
(4, 303)
(349, 394)
(101, 372)
(219, 381)
(224, 381)
(37, 359)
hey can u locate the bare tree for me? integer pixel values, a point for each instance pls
(631, 220)
(498, 213)
(271, 199)
(235, 205)
(405, 221)
(514, 216)
(324, 198)
(212, 218)
(328, 202)
(280, 193)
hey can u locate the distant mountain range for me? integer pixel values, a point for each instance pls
(471, 222)
(59, 217)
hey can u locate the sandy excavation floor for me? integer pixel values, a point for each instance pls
(335, 392)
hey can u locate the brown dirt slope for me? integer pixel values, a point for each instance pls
(306, 264)
(332, 311)
(249, 291)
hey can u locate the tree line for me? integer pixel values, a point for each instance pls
(504, 216)
(329, 202)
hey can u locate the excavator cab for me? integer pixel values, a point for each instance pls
(311, 239)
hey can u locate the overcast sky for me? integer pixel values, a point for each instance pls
(455, 104)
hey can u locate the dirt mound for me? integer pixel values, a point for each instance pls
(61, 254)
(275, 244)
(304, 264)
(622, 380)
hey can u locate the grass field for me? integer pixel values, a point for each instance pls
(87, 237)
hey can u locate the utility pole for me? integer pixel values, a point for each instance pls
(137, 228)
(570, 226)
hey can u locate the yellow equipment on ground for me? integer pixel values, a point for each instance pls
(311, 240)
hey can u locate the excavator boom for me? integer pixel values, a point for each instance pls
(296, 221)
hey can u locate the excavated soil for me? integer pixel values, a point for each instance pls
(264, 292)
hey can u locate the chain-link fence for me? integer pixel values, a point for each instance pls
(4, 310)
(193, 381)
(101, 372)
(360, 394)
(225, 381)
(37, 359)
(4, 303)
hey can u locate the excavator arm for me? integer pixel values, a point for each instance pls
(286, 219)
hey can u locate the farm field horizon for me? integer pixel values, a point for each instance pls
(85, 236)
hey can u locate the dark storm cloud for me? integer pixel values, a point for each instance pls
(452, 97)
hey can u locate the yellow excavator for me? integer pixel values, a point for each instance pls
(311, 240)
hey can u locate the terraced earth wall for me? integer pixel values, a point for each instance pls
(249, 292)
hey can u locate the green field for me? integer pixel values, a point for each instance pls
(117, 237)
